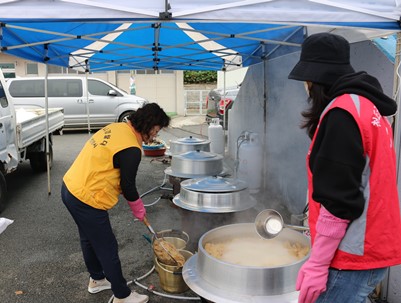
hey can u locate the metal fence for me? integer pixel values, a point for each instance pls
(195, 102)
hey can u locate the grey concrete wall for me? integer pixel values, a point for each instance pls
(277, 121)
(367, 57)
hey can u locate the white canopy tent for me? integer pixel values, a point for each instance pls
(101, 35)
(261, 11)
(176, 34)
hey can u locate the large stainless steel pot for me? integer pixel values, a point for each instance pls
(186, 144)
(214, 195)
(219, 280)
(193, 164)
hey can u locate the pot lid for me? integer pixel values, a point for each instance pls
(217, 203)
(213, 184)
(190, 140)
(199, 155)
(168, 171)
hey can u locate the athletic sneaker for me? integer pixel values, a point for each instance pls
(96, 286)
(134, 297)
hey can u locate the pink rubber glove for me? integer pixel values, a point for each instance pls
(137, 208)
(313, 275)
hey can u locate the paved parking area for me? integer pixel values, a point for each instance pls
(40, 256)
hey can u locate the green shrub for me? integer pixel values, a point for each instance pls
(200, 77)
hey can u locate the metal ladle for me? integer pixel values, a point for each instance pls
(269, 223)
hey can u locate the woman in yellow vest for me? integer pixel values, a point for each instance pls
(105, 168)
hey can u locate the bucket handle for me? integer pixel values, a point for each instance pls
(177, 273)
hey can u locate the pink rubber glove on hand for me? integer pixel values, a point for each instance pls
(313, 275)
(138, 209)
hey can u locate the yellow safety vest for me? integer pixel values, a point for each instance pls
(92, 177)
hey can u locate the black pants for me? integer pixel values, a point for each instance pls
(98, 243)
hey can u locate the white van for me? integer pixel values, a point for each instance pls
(107, 103)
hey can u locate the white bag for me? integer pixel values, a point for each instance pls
(4, 222)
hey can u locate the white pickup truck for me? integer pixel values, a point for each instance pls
(23, 136)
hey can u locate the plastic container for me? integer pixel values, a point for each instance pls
(216, 137)
(250, 162)
(154, 152)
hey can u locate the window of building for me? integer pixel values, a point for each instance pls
(54, 69)
(145, 72)
(31, 68)
(73, 71)
(153, 72)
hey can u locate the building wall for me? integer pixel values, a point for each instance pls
(231, 78)
(166, 89)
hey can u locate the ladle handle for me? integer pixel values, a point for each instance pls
(297, 227)
(146, 222)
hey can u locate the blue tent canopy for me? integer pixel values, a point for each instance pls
(387, 45)
(115, 46)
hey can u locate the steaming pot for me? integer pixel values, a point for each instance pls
(186, 144)
(220, 281)
(196, 163)
(214, 194)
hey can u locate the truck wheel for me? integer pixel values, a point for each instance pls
(3, 191)
(38, 160)
(124, 116)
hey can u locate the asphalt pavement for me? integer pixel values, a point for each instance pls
(40, 255)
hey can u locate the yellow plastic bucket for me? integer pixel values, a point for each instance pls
(171, 276)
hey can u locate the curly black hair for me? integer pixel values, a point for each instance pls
(148, 116)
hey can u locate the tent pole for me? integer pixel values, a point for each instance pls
(47, 124)
(384, 286)
(224, 98)
(264, 137)
(87, 95)
(396, 96)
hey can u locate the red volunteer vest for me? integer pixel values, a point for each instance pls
(374, 239)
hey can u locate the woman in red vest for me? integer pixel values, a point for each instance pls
(105, 168)
(354, 213)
